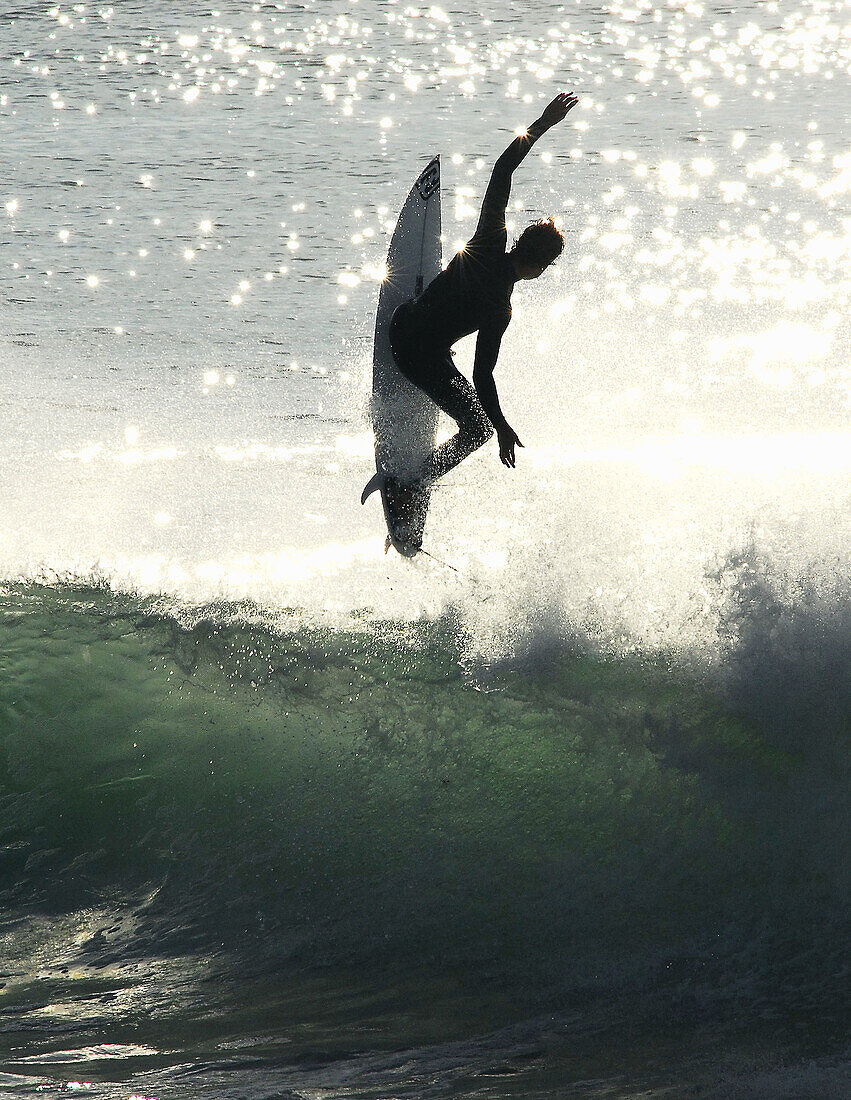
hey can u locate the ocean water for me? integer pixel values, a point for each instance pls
(562, 810)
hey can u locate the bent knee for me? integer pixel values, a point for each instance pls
(480, 431)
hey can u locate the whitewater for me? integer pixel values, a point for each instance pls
(560, 811)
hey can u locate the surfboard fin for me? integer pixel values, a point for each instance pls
(375, 483)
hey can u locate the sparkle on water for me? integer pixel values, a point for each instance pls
(696, 319)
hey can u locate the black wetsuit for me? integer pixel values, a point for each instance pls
(472, 294)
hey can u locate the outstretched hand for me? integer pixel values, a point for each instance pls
(508, 438)
(556, 110)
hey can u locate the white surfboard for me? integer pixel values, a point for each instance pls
(403, 418)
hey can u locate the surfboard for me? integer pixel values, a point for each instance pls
(403, 418)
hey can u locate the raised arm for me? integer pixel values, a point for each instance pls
(492, 217)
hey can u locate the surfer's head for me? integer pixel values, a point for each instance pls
(536, 248)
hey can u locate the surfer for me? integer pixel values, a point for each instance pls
(473, 294)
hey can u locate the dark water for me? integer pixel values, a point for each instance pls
(241, 857)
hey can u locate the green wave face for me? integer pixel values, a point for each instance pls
(359, 799)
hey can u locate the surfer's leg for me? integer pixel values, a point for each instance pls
(433, 371)
(452, 393)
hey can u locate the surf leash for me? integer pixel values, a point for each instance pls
(482, 597)
(440, 562)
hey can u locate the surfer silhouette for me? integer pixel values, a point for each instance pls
(473, 294)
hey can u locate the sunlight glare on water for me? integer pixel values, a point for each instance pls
(196, 217)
